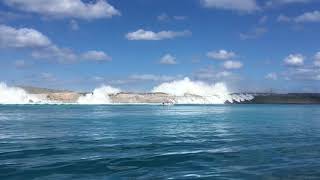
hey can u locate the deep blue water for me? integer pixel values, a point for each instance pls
(155, 142)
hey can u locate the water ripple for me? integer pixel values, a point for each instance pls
(155, 142)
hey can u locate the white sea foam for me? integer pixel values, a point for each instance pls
(197, 92)
(15, 95)
(99, 96)
(183, 91)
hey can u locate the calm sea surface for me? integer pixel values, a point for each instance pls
(155, 142)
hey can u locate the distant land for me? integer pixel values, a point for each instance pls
(290, 98)
(67, 96)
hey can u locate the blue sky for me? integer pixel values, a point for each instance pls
(250, 45)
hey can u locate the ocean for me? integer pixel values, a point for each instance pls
(159, 142)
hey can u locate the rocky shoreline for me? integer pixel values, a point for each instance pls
(290, 98)
(66, 96)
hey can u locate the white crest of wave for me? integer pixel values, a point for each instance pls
(197, 92)
(15, 95)
(99, 95)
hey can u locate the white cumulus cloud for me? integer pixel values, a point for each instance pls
(165, 17)
(294, 60)
(28, 38)
(317, 59)
(11, 37)
(294, 1)
(313, 16)
(54, 52)
(168, 59)
(307, 17)
(20, 63)
(151, 77)
(303, 73)
(66, 8)
(253, 33)
(209, 74)
(237, 5)
(283, 2)
(232, 65)
(221, 54)
(41, 46)
(96, 56)
(283, 18)
(272, 76)
(150, 35)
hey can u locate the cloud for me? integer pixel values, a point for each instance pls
(254, 33)
(135, 79)
(22, 38)
(313, 16)
(153, 36)
(272, 76)
(211, 74)
(302, 72)
(283, 18)
(151, 77)
(66, 8)
(10, 16)
(168, 59)
(232, 65)
(305, 73)
(41, 46)
(48, 77)
(292, 1)
(236, 5)
(98, 78)
(63, 55)
(294, 60)
(221, 54)
(317, 59)
(66, 55)
(307, 17)
(165, 17)
(223, 74)
(74, 25)
(284, 2)
(263, 19)
(96, 56)
(180, 18)
(20, 64)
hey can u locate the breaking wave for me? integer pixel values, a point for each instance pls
(197, 92)
(15, 95)
(183, 91)
(100, 95)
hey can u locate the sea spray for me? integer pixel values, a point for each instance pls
(99, 95)
(15, 95)
(197, 92)
(183, 91)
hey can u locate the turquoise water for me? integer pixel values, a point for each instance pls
(155, 142)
